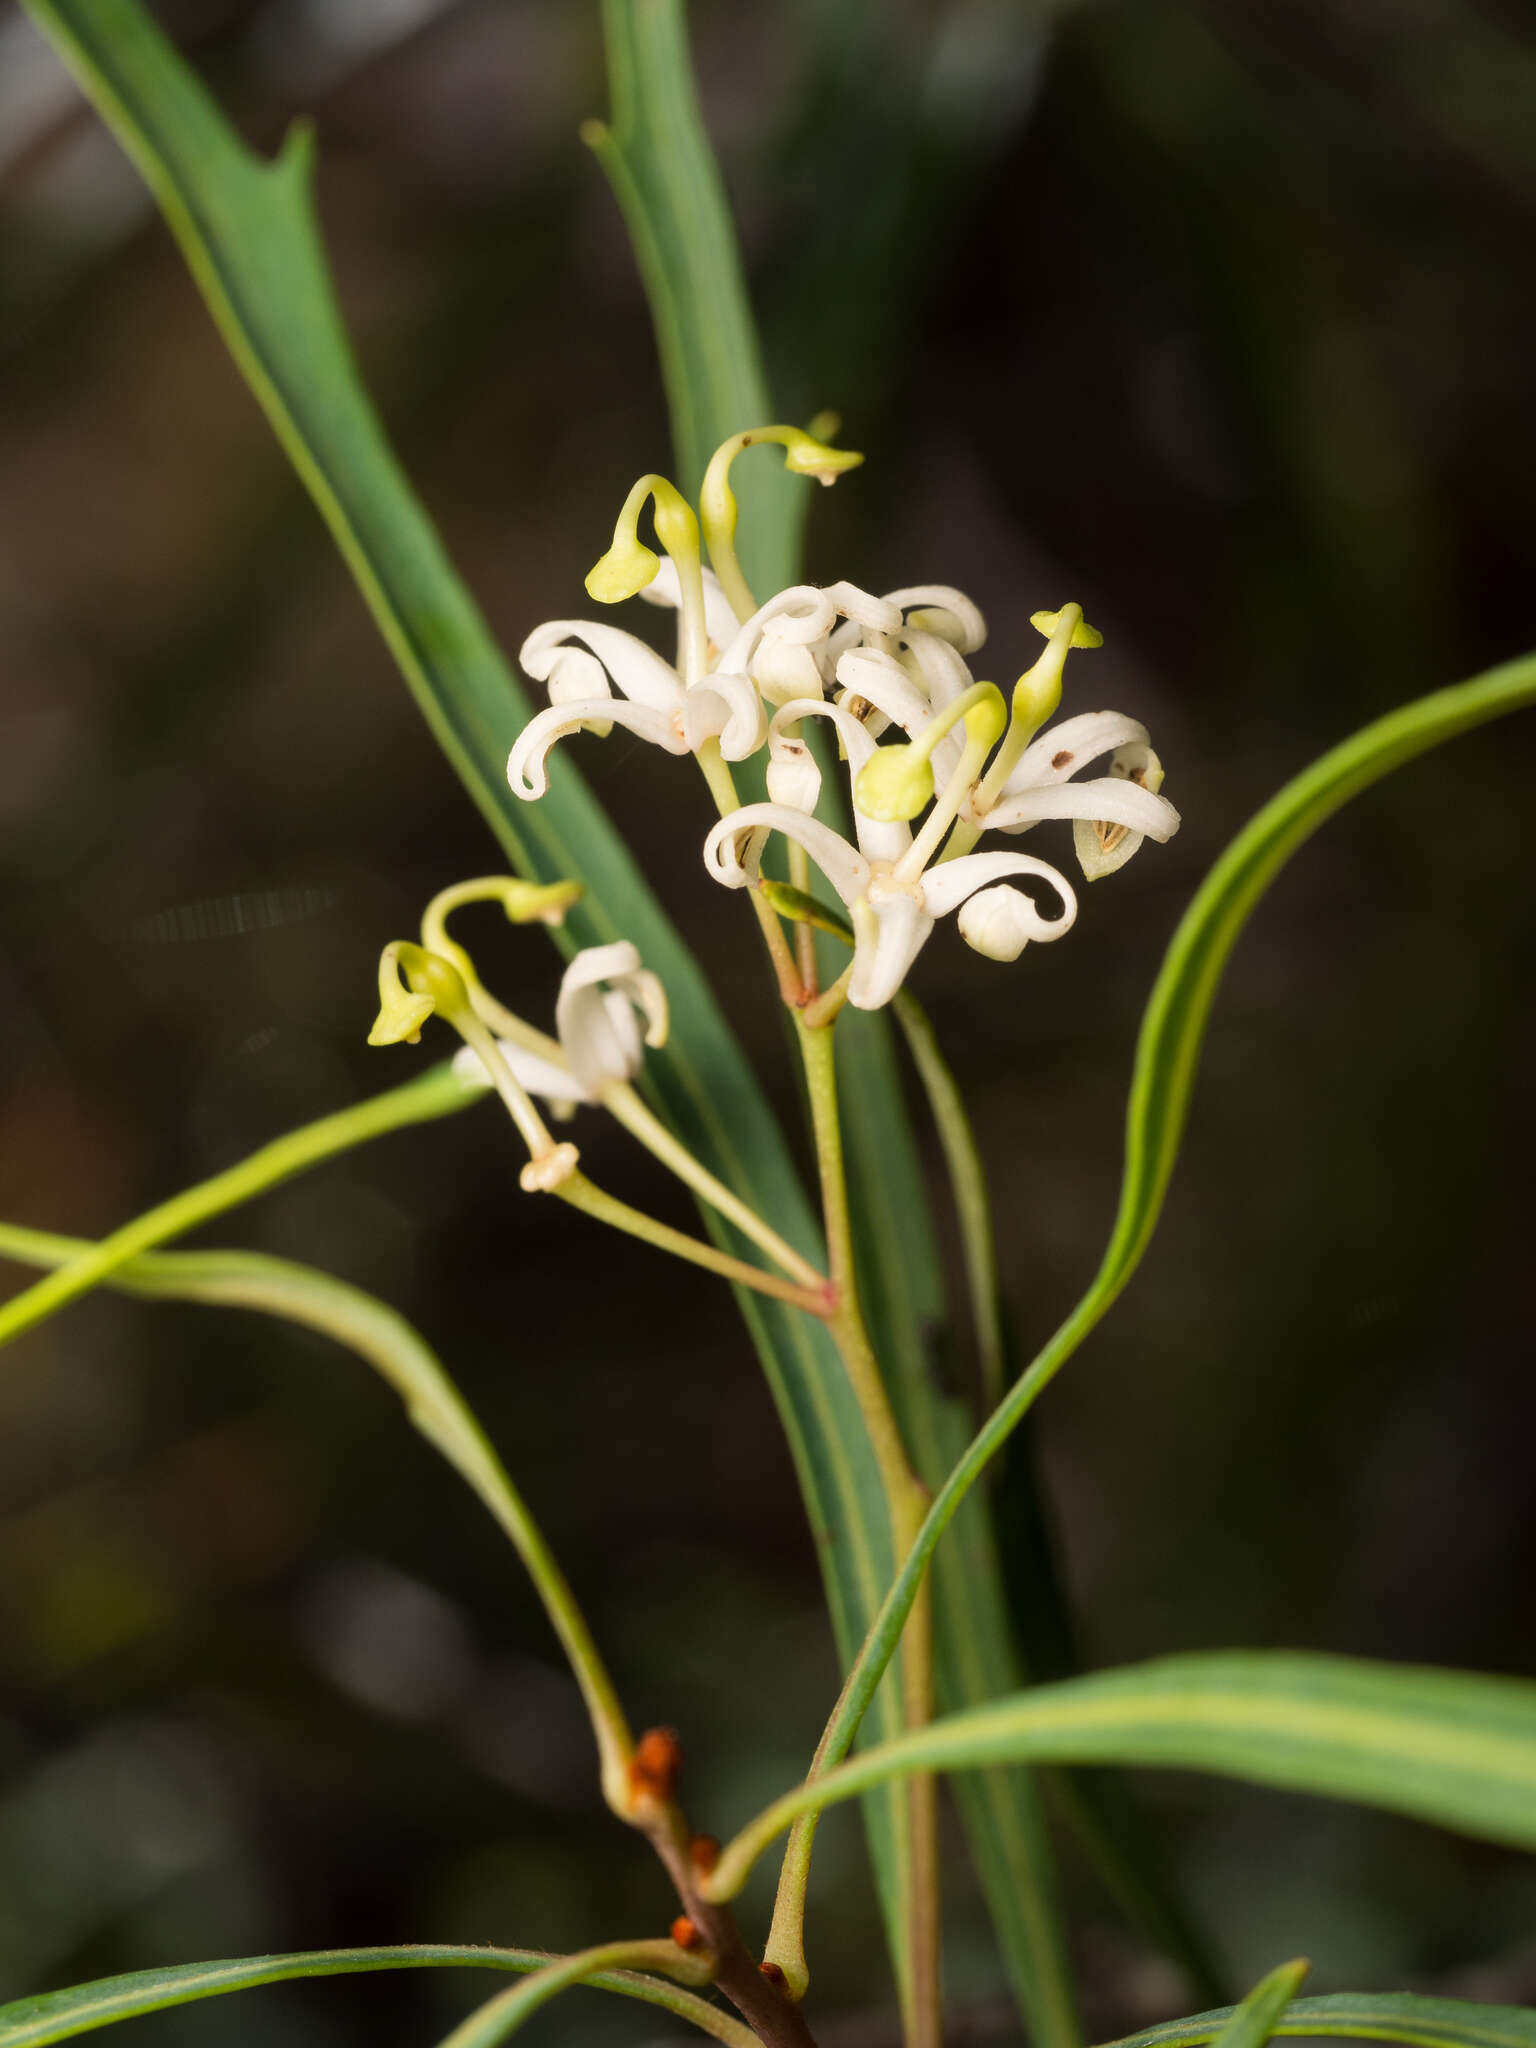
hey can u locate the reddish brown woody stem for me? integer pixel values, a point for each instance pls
(756, 1990)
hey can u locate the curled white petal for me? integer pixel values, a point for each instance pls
(970, 628)
(719, 619)
(525, 765)
(578, 677)
(879, 679)
(938, 669)
(946, 887)
(999, 922)
(1108, 799)
(727, 706)
(1061, 750)
(1135, 770)
(800, 613)
(734, 847)
(876, 614)
(890, 928)
(638, 670)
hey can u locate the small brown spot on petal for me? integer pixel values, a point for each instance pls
(1063, 759)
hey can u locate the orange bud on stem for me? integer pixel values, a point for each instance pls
(657, 1760)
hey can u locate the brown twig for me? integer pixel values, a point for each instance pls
(756, 1990)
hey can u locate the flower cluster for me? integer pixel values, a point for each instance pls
(918, 733)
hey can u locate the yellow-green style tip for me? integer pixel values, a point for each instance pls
(626, 569)
(809, 457)
(413, 984)
(894, 784)
(1083, 635)
(400, 1018)
(539, 902)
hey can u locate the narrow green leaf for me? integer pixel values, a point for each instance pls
(1256, 2018)
(1167, 1055)
(1446, 1746)
(248, 231)
(506, 2014)
(56, 2015)
(658, 158)
(1384, 2016)
(974, 1655)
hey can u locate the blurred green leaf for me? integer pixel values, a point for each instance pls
(55, 2015)
(249, 234)
(1167, 1054)
(1448, 1746)
(1387, 2016)
(656, 152)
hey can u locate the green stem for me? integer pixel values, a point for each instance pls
(968, 1181)
(605, 1208)
(622, 1102)
(906, 1503)
(722, 787)
(805, 938)
(401, 1356)
(436, 1093)
(506, 2012)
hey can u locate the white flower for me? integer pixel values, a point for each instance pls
(608, 1009)
(892, 895)
(1111, 815)
(656, 704)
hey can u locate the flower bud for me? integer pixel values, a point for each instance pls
(998, 922)
(783, 670)
(793, 776)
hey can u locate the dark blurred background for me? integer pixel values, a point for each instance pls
(1215, 316)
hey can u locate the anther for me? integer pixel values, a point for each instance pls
(684, 1933)
(704, 1853)
(772, 1972)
